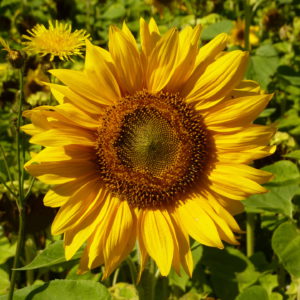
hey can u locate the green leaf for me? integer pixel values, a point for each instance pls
(213, 30)
(54, 254)
(4, 281)
(123, 290)
(6, 249)
(263, 65)
(286, 244)
(289, 74)
(231, 271)
(22, 294)
(63, 289)
(278, 199)
(180, 281)
(267, 112)
(254, 292)
(284, 171)
(282, 189)
(115, 11)
(269, 282)
(294, 154)
(276, 296)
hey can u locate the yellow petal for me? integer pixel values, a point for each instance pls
(97, 243)
(239, 180)
(206, 55)
(80, 83)
(77, 100)
(209, 51)
(246, 88)
(245, 156)
(186, 56)
(198, 224)
(248, 138)
(127, 59)
(161, 61)
(143, 254)
(183, 244)
(79, 206)
(55, 166)
(101, 71)
(149, 36)
(120, 237)
(218, 79)
(82, 231)
(73, 115)
(236, 112)
(157, 239)
(64, 136)
(61, 193)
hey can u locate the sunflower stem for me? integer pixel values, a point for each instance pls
(250, 216)
(247, 25)
(6, 167)
(146, 288)
(250, 226)
(20, 200)
(132, 269)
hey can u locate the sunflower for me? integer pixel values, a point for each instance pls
(57, 41)
(238, 34)
(152, 146)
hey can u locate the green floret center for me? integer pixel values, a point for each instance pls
(147, 142)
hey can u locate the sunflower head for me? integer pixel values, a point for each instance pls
(57, 40)
(238, 34)
(150, 144)
(272, 19)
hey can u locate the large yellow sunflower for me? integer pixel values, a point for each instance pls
(150, 145)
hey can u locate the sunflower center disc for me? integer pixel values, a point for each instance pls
(151, 149)
(147, 142)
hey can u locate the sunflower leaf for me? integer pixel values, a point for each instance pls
(254, 292)
(63, 289)
(286, 244)
(54, 254)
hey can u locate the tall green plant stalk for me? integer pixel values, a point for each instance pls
(21, 198)
(146, 287)
(250, 221)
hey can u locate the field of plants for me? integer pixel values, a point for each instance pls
(261, 262)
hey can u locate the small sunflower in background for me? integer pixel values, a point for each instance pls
(152, 146)
(57, 41)
(238, 34)
(272, 19)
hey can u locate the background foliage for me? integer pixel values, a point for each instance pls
(272, 271)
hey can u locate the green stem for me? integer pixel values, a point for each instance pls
(132, 269)
(6, 166)
(115, 278)
(146, 288)
(250, 226)
(32, 181)
(247, 25)
(30, 251)
(250, 216)
(20, 202)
